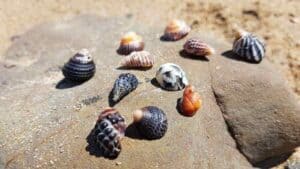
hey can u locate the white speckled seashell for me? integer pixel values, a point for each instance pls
(249, 47)
(171, 77)
(141, 59)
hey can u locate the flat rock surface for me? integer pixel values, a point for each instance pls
(45, 122)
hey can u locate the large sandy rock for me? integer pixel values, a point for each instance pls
(46, 121)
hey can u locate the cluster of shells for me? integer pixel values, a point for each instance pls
(151, 121)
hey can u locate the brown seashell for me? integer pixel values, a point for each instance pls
(130, 42)
(190, 103)
(195, 46)
(141, 59)
(175, 30)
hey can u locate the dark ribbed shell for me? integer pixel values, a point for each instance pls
(250, 48)
(154, 123)
(79, 69)
(125, 84)
(108, 131)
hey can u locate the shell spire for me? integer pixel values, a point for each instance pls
(141, 59)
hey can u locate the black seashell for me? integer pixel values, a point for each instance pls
(151, 122)
(80, 67)
(125, 84)
(249, 47)
(109, 134)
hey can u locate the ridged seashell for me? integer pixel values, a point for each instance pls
(130, 42)
(151, 122)
(248, 47)
(171, 77)
(190, 102)
(109, 129)
(141, 59)
(175, 30)
(195, 46)
(125, 84)
(80, 67)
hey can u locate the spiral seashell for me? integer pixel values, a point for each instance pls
(151, 122)
(130, 42)
(190, 102)
(109, 129)
(176, 30)
(171, 77)
(141, 59)
(125, 84)
(248, 46)
(196, 47)
(80, 67)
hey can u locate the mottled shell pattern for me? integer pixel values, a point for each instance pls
(130, 42)
(171, 77)
(151, 122)
(190, 102)
(109, 129)
(248, 46)
(140, 59)
(125, 84)
(176, 30)
(80, 67)
(196, 47)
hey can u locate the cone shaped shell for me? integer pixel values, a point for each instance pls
(142, 59)
(196, 47)
(176, 30)
(130, 42)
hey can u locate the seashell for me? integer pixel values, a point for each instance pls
(248, 46)
(176, 30)
(141, 59)
(196, 47)
(151, 122)
(190, 102)
(125, 84)
(80, 67)
(171, 77)
(109, 129)
(130, 42)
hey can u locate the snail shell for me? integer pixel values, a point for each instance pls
(141, 59)
(196, 47)
(125, 84)
(248, 46)
(176, 30)
(130, 42)
(190, 102)
(80, 67)
(171, 77)
(109, 129)
(151, 122)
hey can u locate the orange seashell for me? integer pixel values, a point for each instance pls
(191, 102)
(130, 42)
(176, 30)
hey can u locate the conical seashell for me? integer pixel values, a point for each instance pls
(151, 122)
(175, 30)
(108, 131)
(80, 67)
(196, 47)
(171, 77)
(248, 46)
(125, 84)
(141, 59)
(190, 102)
(130, 42)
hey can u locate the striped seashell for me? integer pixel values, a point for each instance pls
(141, 59)
(176, 30)
(248, 46)
(80, 67)
(130, 42)
(196, 47)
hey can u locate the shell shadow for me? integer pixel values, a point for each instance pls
(132, 132)
(184, 54)
(231, 55)
(273, 161)
(163, 38)
(128, 68)
(156, 84)
(93, 148)
(66, 84)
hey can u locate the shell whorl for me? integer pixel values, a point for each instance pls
(197, 47)
(130, 42)
(141, 59)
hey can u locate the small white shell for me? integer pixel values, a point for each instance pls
(142, 59)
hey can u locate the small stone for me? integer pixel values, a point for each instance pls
(118, 163)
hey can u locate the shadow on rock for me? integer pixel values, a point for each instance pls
(231, 55)
(132, 132)
(272, 162)
(129, 68)
(66, 84)
(184, 54)
(155, 83)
